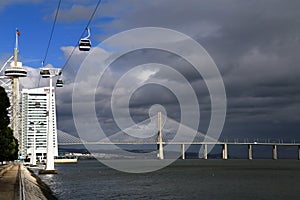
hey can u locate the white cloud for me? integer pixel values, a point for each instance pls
(5, 3)
(75, 13)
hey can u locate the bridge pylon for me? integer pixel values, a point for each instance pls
(160, 143)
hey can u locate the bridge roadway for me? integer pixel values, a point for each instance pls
(205, 153)
(187, 143)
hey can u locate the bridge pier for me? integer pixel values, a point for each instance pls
(299, 152)
(183, 151)
(225, 152)
(160, 145)
(205, 151)
(250, 154)
(275, 152)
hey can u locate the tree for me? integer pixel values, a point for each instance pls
(8, 143)
(4, 104)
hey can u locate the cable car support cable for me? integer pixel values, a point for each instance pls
(52, 30)
(51, 35)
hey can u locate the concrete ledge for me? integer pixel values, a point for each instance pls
(35, 188)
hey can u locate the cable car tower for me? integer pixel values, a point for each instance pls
(14, 72)
(50, 73)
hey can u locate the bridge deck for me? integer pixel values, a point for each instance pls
(179, 143)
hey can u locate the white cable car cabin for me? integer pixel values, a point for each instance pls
(45, 73)
(59, 83)
(85, 43)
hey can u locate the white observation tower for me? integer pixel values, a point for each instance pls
(14, 71)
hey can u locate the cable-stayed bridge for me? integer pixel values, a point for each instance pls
(147, 133)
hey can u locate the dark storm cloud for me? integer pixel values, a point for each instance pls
(255, 45)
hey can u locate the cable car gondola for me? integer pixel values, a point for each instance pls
(59, 83)
(85, 43)
(45, 73)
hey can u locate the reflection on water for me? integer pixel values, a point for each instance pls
(184, 179)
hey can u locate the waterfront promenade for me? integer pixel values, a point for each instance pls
(8, 181)
(17, 182)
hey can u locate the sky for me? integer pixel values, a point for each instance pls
(254, 44)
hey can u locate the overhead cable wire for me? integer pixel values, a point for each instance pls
(87, 26)
(52, 31)
(51, 35)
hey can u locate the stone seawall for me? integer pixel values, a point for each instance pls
(34, 187)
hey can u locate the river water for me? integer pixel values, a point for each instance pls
(184, 179)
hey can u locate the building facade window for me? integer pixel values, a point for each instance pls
(35, 121)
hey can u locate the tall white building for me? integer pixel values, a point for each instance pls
(34, 109)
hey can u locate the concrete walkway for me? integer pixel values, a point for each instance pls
(8, 183)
